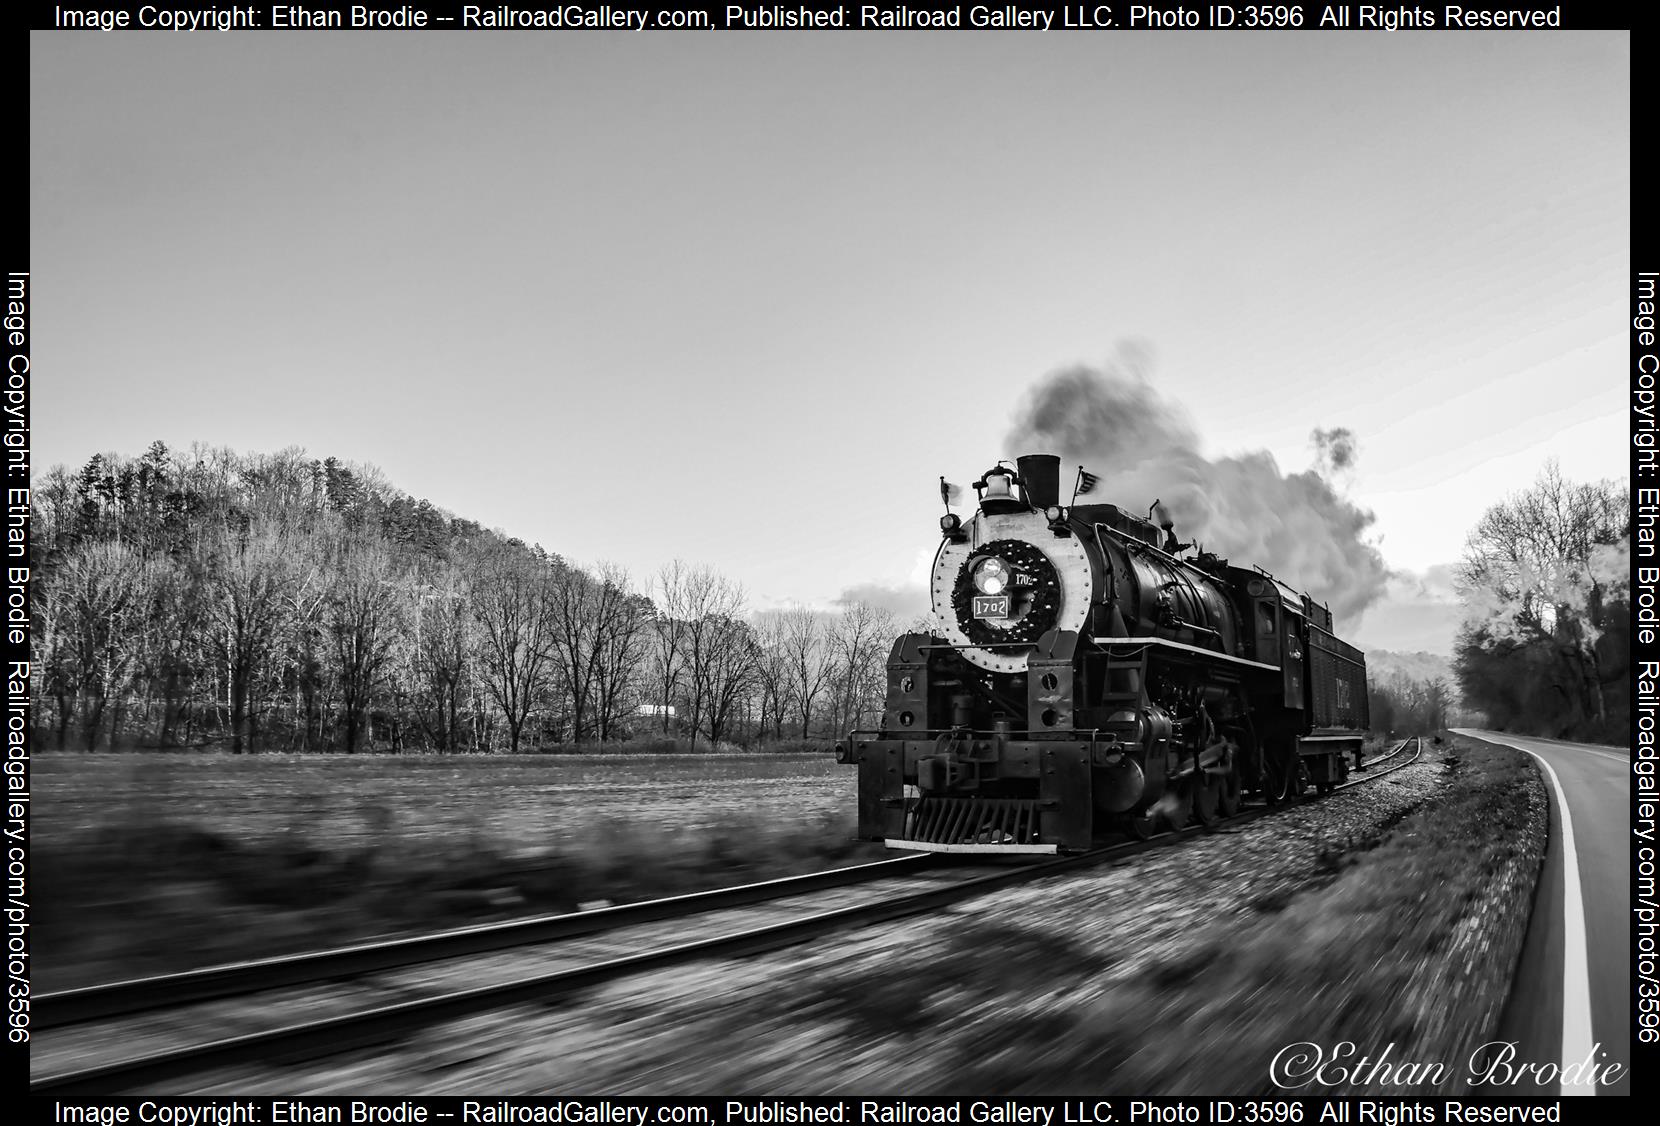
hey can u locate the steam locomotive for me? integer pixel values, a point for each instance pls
(1089, 674)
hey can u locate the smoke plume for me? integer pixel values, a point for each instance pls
(1334, 450)
(1242, 507)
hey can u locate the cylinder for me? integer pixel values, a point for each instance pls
(1041, 474)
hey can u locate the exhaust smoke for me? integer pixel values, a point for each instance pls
(1143, 447)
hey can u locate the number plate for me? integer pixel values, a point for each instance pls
(991, 605)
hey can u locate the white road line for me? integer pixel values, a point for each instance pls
(1577, 1042)
(1577, 748)
(1604, 754)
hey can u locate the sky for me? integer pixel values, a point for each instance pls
(742, 299)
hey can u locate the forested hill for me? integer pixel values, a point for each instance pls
(1385, 664)
(161, 502)
(254, 601)
(181, 598)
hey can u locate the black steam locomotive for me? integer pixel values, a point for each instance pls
(1086, 676)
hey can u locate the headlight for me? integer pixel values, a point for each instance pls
(1053, 514)
(991, 576)
(949, 523)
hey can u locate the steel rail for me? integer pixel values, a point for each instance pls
(1387, 755)
(390, 1022)
(148, 994)
(1371, 770)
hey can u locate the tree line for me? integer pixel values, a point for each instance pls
(281, 602)
(1405, 704)
(1545, 647)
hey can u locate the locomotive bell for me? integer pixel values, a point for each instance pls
(998, 487)
(997, 492)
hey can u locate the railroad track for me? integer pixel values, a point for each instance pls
(1416, 742)
(391, 994)
(101, 1002)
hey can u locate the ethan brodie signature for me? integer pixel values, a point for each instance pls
(1493, 1064)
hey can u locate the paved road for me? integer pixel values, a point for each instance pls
(1572, 995)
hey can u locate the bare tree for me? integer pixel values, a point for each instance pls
(712, 604)
(620, 646)
(310, 676)
(808, 662)
(573, 630)
(1542, 571)
(441, 642)
(98, 613)
(510, 604)
(772, 672)
(860, 639)
(596, 626)
(172, 643)
(725, 677)
(361, 614)
(663, 644)
(250, 580)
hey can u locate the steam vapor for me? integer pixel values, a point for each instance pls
(1143, 447)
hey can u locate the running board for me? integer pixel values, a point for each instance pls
(1006, 849)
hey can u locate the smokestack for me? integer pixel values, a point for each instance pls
(1041, 474)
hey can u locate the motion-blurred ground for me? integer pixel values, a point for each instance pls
(1389, 917)
(149, 863)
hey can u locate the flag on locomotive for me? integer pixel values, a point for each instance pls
(1086, 675)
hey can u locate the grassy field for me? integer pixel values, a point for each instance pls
(149, 863)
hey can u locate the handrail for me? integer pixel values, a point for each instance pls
(1092, 735)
